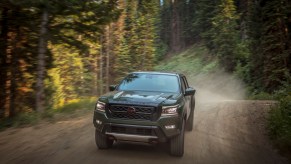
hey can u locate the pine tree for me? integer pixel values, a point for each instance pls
(137, 37)
(225, 34)
(206, 10)
(17, 62)
(188, 12)
(61, 23)
(63, 75)
(255, 26)
(165, 26)
(120, 53)
(147, 34)
(269, 31)
(275, 48)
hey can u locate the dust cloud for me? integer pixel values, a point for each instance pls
(217, 86)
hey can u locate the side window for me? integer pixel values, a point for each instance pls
(185, 81)
(183, 85)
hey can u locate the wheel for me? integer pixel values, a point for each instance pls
(177, 143)
(102, 141)
(190, 120)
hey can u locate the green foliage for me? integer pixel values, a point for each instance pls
(123, 61)
(73, 30)
(68, 77)
(161, 51)
(217, 23)
(205, 12)
(261, 96)
(224, 33)
(274, 44)
(188, 15)
(137, 48)
(192, 62)
(78, 104)
(269, 31)
(165, 24)
(251, 39)
(280, 119)
(176, 29)
(27, 118)
(32, 117)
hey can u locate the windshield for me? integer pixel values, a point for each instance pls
(150, 82)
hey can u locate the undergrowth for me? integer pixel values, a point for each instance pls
(193, 61)
(280, 121)
(32, 117)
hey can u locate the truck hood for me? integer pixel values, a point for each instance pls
(140, 98)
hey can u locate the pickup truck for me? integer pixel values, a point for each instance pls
(148, 107)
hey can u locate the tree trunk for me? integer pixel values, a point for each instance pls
(95, 92)
(42, 48)
(108, 49)
(13, 67)
(3, 60)
(13, 77)
(101, 66)
(175, 42)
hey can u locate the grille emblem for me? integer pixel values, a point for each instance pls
(131, 110)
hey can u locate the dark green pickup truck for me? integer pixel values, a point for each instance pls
(149, 107)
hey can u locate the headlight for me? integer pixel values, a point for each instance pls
(100, 106)
(169, 110)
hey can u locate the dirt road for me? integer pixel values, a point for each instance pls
(224, 132)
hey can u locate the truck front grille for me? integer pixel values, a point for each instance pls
(131, 112)
(132, 130)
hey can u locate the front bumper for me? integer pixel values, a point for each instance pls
(137, 130)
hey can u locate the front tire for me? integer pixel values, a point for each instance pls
(177, 143)
(102, 141)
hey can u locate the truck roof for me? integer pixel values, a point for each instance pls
(157, 72)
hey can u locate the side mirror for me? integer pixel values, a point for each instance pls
(189, 91)
(112, 87)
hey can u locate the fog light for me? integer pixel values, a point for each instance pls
(170, 126)
(99, 122)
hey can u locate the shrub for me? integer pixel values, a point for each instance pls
(261, 96)
(280, 119)
(81, 104)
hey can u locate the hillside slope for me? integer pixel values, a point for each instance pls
(204, 74)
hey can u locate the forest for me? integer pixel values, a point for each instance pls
(55, 52)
